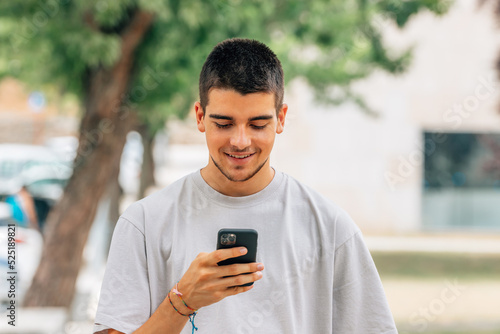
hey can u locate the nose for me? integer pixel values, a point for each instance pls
(240, 138)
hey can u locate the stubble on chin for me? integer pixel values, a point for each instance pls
(235, 180)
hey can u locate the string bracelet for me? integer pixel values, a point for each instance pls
(191, 316)
(179, 294)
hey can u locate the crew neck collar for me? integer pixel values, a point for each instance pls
(240, 201)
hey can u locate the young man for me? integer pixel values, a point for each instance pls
(162, 266)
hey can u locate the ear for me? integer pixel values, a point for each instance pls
(281, 118)
(200, 117)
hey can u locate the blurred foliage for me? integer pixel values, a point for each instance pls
(331, 43)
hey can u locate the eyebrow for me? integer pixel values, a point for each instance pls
(261, 117)
(217, 116)
(257, 118)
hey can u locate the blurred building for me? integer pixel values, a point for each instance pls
(29, 117)
(431, 160)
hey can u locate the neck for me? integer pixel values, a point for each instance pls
(215, 179)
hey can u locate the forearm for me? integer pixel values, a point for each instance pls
(164, 320)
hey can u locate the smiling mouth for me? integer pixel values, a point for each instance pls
(239, 156)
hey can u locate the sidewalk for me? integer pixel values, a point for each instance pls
(474, 244)
(47, 320)
(447, 304)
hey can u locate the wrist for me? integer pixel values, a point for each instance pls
(191, 315)
(178, 304)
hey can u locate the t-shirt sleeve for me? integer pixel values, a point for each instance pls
(359, 301)
(124, 302)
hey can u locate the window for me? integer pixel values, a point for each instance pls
(461, 181)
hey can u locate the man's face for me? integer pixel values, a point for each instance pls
(240, 132)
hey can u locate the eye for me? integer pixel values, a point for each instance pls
(222, 126)
(258, 127)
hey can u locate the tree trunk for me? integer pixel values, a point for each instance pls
(148, 165)
(103, 133)
(115, 193)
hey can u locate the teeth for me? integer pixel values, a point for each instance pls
(239, 156)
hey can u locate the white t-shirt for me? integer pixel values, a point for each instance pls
(319, 276)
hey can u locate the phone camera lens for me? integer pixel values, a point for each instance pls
(224, 236)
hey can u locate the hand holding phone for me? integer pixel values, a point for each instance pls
(230, 238)
(206, 280)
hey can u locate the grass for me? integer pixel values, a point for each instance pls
(437, 265)
(474, 332)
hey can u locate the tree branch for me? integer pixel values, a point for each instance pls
(135, 32)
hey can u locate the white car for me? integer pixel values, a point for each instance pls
(42, 170)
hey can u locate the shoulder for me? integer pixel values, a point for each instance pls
(335, 218)
(157, 203)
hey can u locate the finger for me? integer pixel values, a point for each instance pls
(224, 254)
(239, 268)
(236, 281)
(237, 289)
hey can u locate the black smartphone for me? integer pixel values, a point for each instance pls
(230, 238)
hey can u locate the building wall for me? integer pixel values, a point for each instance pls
(21, 123)
(373, 167)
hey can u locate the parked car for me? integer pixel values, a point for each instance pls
(40, 169)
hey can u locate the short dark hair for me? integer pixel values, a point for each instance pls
(244, 65)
